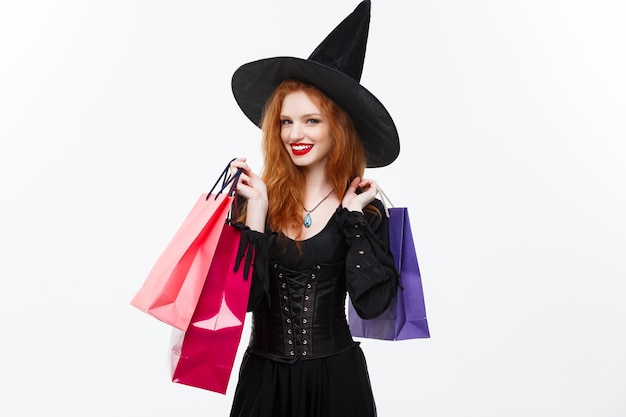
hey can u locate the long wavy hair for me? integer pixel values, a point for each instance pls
(285, 180)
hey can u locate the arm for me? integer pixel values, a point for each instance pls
(371, 276)
(256, 248)
(255, 244)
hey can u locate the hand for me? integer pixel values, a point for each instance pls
(252, 188)
(250, 185)
(360, 193)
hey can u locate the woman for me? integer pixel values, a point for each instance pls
(317, 228)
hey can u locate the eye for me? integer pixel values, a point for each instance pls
(312, 121)
(285, 122)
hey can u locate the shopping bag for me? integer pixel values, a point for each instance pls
(205, 353)
(171, 290)
(405, 318)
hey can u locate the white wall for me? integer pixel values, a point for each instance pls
(115, 115)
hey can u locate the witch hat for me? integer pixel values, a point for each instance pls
(334, 67)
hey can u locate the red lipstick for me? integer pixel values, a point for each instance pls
(300, 149)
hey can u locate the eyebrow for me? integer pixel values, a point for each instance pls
(304, 116)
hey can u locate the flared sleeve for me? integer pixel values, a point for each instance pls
(371, 277)
(254, 253)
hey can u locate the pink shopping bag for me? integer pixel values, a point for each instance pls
(171, 290)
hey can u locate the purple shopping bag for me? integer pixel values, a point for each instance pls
(405, 318)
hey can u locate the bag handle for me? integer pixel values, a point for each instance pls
(385, 200)
(227, 179)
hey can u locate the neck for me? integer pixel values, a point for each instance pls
(316, 185)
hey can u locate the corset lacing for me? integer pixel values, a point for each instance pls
(306, 315)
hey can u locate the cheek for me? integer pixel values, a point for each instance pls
(327, 141)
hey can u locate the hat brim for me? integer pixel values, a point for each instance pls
(254, 82)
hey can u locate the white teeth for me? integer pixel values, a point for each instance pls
(301, 147)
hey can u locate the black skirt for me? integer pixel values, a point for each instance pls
(333, 386)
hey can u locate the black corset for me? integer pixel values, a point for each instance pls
(305, 318)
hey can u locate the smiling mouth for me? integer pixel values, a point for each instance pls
(301, 149)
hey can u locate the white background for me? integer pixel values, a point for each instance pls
(115, 115)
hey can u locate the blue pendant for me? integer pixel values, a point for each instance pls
(307, 220)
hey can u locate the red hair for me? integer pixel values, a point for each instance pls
(285, 180)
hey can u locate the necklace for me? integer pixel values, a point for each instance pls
(307, 217)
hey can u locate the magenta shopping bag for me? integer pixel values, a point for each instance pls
(405, 318)
(205, 354)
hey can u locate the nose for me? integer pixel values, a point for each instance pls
(296, 132)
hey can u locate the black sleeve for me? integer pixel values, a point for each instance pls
(255, 247)
(371, 276)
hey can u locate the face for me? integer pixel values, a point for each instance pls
(304, 131)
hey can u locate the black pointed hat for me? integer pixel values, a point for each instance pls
(334, 67)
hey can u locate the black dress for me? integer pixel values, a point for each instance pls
(301, 360)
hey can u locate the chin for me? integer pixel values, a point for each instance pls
(301, 161)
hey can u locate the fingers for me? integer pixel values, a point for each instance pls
(250, 186)
(361, 185)
(369, 187)
(359, 194)
(245, 188)
(354, 184)
(244, 179)
(237, 164)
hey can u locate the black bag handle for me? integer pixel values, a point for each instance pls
(227, 180)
